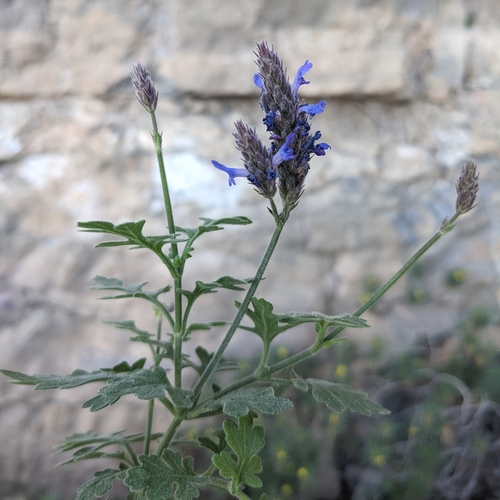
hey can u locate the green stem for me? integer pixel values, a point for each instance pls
(149, 426)
(445, 228)
(131, 452)
(239, 315)
(300, 356)
(168, 405)
(263, 360)
(167, 437)
(157, 139)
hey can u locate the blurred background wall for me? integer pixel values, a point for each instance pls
(413, 88)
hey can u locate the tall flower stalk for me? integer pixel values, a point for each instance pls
(277, 171)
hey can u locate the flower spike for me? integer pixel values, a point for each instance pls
(286, 161)
(145, 90)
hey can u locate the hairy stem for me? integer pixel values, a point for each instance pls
(389, 283)
(300, 356)
(149, 426)
(239, 315)
(157, 139)
(169, 434)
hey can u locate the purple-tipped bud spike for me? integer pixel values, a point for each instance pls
(145, 89)
(467, 186)
(232, 172)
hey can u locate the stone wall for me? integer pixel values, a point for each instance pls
(413, 88)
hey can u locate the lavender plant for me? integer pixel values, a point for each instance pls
(160, 472)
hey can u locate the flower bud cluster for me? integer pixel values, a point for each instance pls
(467, 186)
(286, 161)
(145, 89)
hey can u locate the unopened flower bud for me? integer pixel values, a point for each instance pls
(467, 186)
(145, 89)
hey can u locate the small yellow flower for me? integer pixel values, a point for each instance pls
(459, 275)
(282, 352)
(281, 455)
(341, 371)
(302, 473)
(287, 490)
(334, 419)
(191, 434)
(413, 431)
(419, 294)
(379, 459)
(479, 360)
(364, 298)
(208, 431)
(244, 366)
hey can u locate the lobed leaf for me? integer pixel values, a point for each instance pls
(134, 290)
(46, 382)
(204, 356)
(245, 441)
(145, 384)
(239, 403)
(132, 234)
(267, 324)
(99, 485)
(226, 282)
(124, 366)
(209, 443)
(158, 476)
(341, 397)
(91, 437)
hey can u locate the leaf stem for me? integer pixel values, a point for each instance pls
(241, 312)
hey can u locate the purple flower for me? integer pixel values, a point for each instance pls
(320, 149)
(312, 109)
(257, 79)
(299, 78)
(269, 120)
(285, 152)
(145, 90)
(232, 172)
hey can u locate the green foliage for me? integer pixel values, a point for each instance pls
(99, 485)
(158, 476)
(340, 397)
(132, 234)
(234, 448)
(208, 226)
(239, 403)
(45, 382)
(245, 440)
(102, 283)
(145, 384)
(215, 447)
(267, 325)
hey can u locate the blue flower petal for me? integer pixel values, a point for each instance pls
(269, 121)
(320, 149)
(299, 78)
(312, 109)
(257, 79)
(232, 172)
(285, 152)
